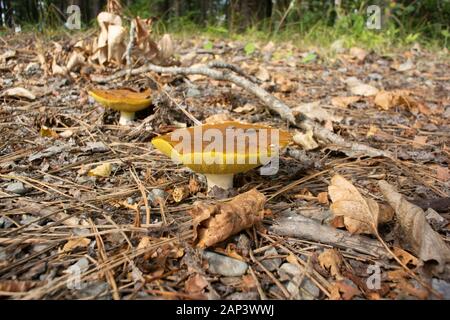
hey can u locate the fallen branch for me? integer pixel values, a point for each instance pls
(276, 105)
(302, 227)
(131, 43)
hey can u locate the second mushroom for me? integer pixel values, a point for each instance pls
(126, 101)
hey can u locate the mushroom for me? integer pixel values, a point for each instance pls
(126, 101)
(222, 149)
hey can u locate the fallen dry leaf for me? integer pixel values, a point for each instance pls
(322, 197)
(18, 92)
(47, 132)
(75, 60)
(372, 131)
(405, 257)
(424, 241)
(245, 108)
(358, 53)
(7, 55)
(419, 141)
(442, 173)
(331, 259)
(358, 88)
(194, 185)
(103, 170)
(166, 47)
(195, 283)
(143, 37)
(76, 243)
(313, 110)
(342, 290)
(344, 102)
(111, 40)
(116, 43)
(218, 118)
(306, 140)
(57, 69)
(389, 99)
(18, 285)
(262, 74)
(361, 215)
(216, 222)
(180, 193)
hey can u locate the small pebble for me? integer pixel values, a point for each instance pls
(271, 263)
(156, 194)
(17, 188)
(442, 286)
(5, 223)
(224, 265)
(192, 92)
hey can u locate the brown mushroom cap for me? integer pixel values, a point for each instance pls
(122, 99)
(249, 146)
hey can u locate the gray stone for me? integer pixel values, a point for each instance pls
(95, 147)
(442, 286)
(81, 231)
(271, 264)
(32, 67)
(17, 188)
(224, 265)
(26, 219)
(288, 271)
(5, 223)
(39, 247)
(193, 92)
(308, 290)
(375, 76)
(299, 285)
(435, 219)
(156, 194)
(446, 114)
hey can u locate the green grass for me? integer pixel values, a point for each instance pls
(312, 32)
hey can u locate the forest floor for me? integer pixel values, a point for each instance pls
(67, 232)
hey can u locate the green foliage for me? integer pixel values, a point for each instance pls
(208, 45)
(311, 56)
(249, 48)
(307, 22)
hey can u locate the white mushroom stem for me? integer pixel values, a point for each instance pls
(126, 118)
(224, 181)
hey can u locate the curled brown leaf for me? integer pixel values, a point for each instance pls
(424, 241)
(216, 222)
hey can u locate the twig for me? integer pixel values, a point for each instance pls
(261, 293)
(234, 68)
(130, 46)
(271, 276)
(102, 258)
